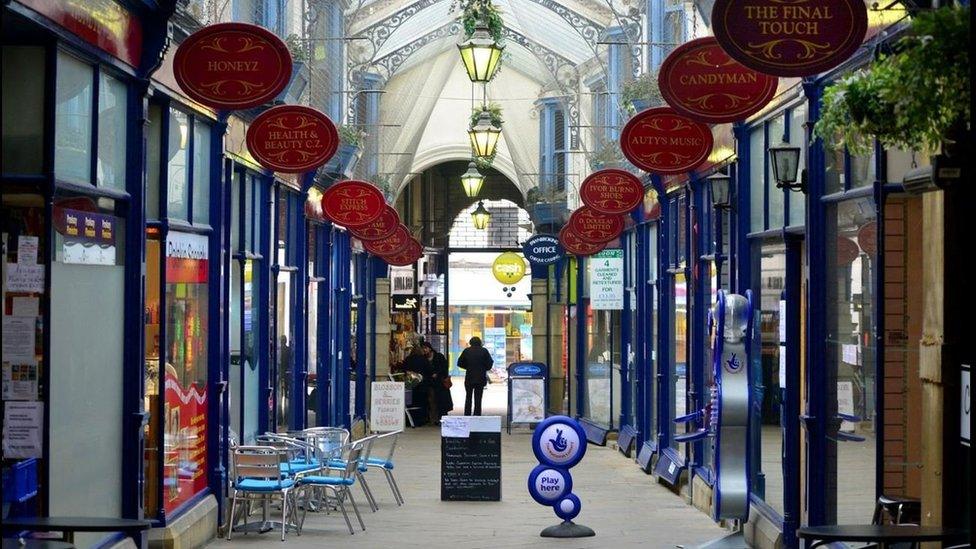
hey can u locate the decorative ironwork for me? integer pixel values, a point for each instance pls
(377, 34)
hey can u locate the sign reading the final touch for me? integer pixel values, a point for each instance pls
(661, 141)
(292, 139)
(232, 66)
(790, 38)
(542, 250)
(607, 280)
(701, 81)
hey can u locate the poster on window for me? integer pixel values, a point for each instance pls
(494, 341)
(607, 280)
(528, 400)
(598, 391)
(185, 445)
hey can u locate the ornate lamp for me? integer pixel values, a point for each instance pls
(472, 180)
(719, 182)
(484, 135)
(480, 216)
(480, 54)
(786, 163)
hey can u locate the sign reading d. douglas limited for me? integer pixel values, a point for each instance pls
(292, 139)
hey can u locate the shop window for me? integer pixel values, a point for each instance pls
(776, 196)
(851, 362)
(651, 329)
(154, 143)
(711, 291)
(73, 120)
(835, 176)
(110, 169)
(769, 358)
(798, 201)
(23, 109)
(201, 173)
(177, 178)
(757, 180)
(679, 356)
(863, 173)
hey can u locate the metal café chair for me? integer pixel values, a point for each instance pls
(302, 457)
(385, 464)
(366, 443)
(340, 484)
(258, 477)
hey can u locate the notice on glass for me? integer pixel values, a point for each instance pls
(386, 406)
(27, 250)
(528, 400)
(850, 354)
(20, 380)
(607, 280)
(26, 306)
(455, 426)
(25, 278)
(18, 338)
(23, 424)
(845, 404)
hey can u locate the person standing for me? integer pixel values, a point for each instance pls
(417, 363)
(441, 382)
(475, 361)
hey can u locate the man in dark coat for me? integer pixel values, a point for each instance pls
(475, 361)
(440, 372)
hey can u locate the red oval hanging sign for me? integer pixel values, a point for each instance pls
(409, 255)
(661, 141)
(292, 139)
(701, 81)
(847, 250)
(353, 203)
(390, 245)
(612, 191)
(575, 245)
(232, 66)
(867, 237)
(790, 37)
(382, 227)
(590, 224)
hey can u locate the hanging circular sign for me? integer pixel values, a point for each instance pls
(409, 255)
(232, 66)
(847, 250)
(867, 237)
(701, 81)
(575, 245)
(790, 38)
(661, 141)
(390, 245)
(353, 203)
(548, 485)
(542, 250)
(559, 441)
(381, 227)
(508, 268)
(612, 191)
(292, 139)
(592, 225)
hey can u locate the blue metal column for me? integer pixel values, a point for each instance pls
(698, 304)
(264, 201)
(740, 278)
(665, 320)
(815, 416)
(342, 314)
(324, 376)
(362, 302)
(791, 396)
(580, 336)
(299, 381)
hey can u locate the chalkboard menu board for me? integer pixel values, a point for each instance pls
(471, 458)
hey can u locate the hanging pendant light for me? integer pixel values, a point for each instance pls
(480, 216)
(480, 54)
(472, 180)
(484, 135)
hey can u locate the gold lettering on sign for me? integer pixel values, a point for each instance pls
(719, 78)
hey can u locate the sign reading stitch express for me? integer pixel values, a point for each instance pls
(590, 224)
(790, 37)
(661, 141)
(612, 191)
(701, 81)
(353, 203)
(292, 139)
(232, 66)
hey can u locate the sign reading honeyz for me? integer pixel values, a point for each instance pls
(386, 406)
(790, 37)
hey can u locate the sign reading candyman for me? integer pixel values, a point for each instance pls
(559, 443)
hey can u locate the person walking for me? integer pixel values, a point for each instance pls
(475, 361)
(441, 382)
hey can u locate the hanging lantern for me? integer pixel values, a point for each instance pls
(472, 180)
(484, 135)
(480, 54)
(480, 216)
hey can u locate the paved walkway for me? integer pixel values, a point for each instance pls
(621, 503)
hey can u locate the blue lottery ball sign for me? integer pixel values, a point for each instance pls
(548, 485)
(559, 441)
(568, 507)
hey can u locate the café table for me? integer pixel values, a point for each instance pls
(881, 534)
(69, 525)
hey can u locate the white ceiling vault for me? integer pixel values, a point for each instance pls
(410, 44)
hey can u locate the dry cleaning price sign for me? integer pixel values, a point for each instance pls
(471, 458)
